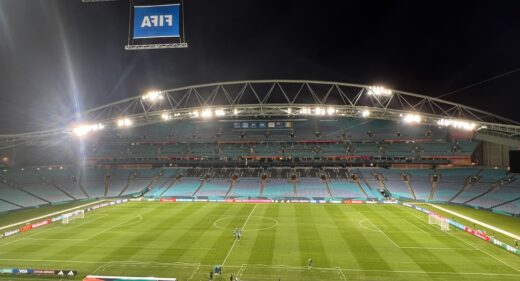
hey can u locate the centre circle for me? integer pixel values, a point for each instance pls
(254, 223)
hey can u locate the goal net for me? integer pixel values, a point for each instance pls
(79, 214)
(440, 221)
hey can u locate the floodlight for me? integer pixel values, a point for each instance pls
(379, 91)
(305, 110)
(207, 113)
(195, 113)
(319, 111)
(365, 113)
(289, 110)
(152, 96)
(412, 118)
(457, 124)
(165, 116)
(84, 129)
(331, 111)
(220, 112)
(124, 122)
(235, 111)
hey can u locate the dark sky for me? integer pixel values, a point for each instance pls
(54, 50)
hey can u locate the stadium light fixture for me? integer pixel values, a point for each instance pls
(165, 116)
(152, 96)
(331, 111)
(124, 122)
(457, 124)
(220, 112)
(365, 113)
(85, 129)
(412, 118)
(319, 111)
(379, 91)
(305, 110)
(195, 113)
(207, 113)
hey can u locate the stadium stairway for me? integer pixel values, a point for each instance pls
(169, 185)
(327, 188)
(511, 206)
(229, 189)
(465, 186)
(138, 184)
(199, 187)
(492, 188)
(51, 183)
(409, 186)
(434, 189)
(8, 205)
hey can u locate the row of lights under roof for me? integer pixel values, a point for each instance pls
(37, 169)
(154, 96)
(409, 118)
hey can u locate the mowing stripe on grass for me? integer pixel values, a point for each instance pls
(235, 242)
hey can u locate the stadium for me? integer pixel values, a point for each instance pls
(281, 179)
(293, 164)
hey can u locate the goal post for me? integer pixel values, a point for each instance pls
(439, 220)
(79, 214)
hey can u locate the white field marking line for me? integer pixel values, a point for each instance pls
(55, 225)
(50, 215)
(395, 244)
(215, 223)
(304, 268)
(425, 248)
(485, 252)
(438, 248)
(362, 225)
(264, 265)
(342, 275)
(475, 247)
(193, 273)
(110, 228)
(478, 222)
(235, 242)
(241, 270)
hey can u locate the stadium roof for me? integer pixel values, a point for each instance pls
(289, 98)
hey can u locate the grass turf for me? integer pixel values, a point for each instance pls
(185, 240)
(507, 223)
(26, 214)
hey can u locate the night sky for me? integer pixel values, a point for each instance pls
(52, 51)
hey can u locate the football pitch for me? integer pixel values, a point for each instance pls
(186, 240)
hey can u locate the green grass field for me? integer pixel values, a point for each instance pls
(185, 240)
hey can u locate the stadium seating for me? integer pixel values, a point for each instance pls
(214, 188)
(471, 191)
(274, 188)
(183, 187)
(497, 196)
(19, 197)
(66, 180)
(451, 181)
(420, 183)
(246, 187)
(511, 207)
(93, 181)
(308, 187)
(345, 189)
(4, 206)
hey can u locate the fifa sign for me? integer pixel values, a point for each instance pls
(156, 21)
